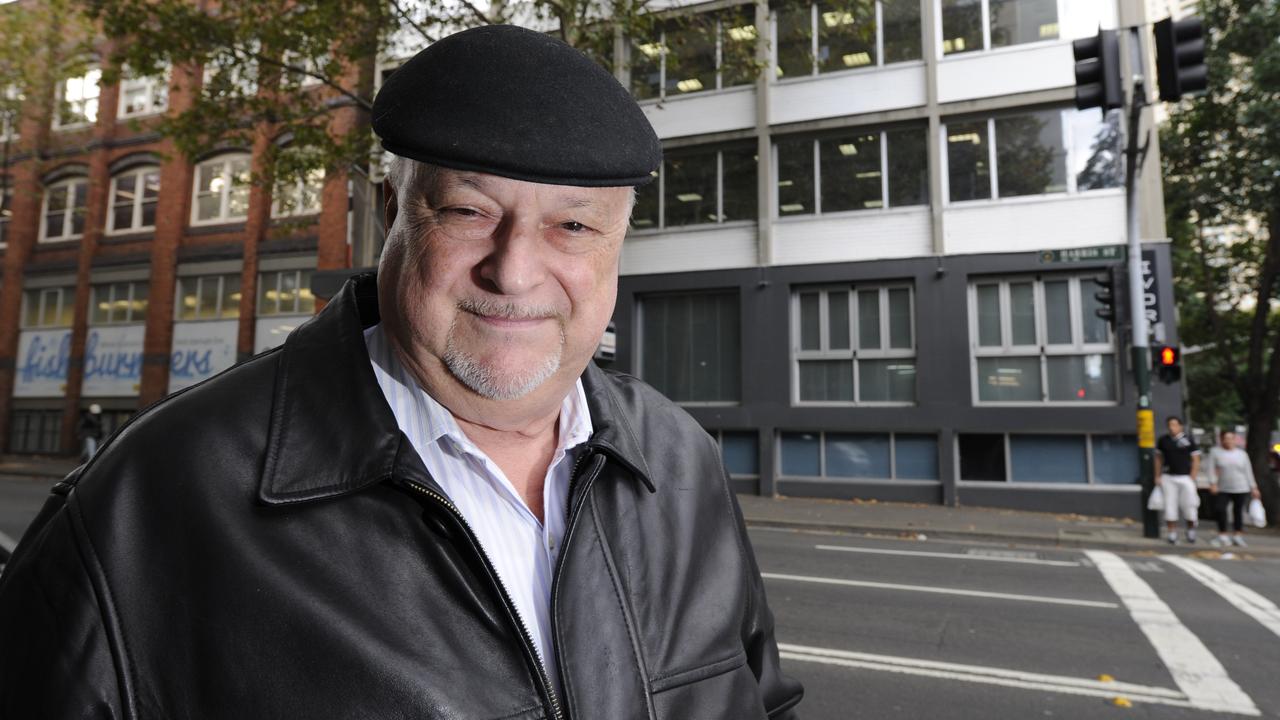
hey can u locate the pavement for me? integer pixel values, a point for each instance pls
(869, 517)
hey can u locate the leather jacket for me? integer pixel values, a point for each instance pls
(267, 544)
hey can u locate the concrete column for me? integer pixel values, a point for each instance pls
(929, 24)
(765, 212)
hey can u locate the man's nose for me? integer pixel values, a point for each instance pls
(516, 263)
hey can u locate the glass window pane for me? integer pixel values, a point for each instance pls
(899, 318)
(810, 334)
(122, 217)
(31, 315)
(799, 453)
(138, 306)
(826, 381)
(1047, 458)
(1057, 313)
(1022, 313)
(915, 457)
(53, 223)
(101, 302)
(989, 316)
(1115, 459)
(846, 35)
(961, 26)
(1081, 378)
(306, 300)
(267, 295)
(208, 207)
(981, 456)
(795, 176)
(838, 320)
(1030, 156)
(737, 46)
(691, 56)
(57, 198)
(77, 221)
(690, 193)
(968, 171)
(644, 216)
(740, 191)
(851, 172)
(908, 165)
(1095, 150)
(188, 298)
(691, 350)
(151, 185)
(740, 452)
(646, 65)
(125, 189)
(148, 214)
(887, 380)
(860, 455)
(1095, 328)
(1009, 379)
(795, 40)
(289, 291)
(208, 297)
(63, 301)
(1022, 21)
(869, 319)
(901, 30)
(230, 296)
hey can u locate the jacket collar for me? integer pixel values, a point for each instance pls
(331, 431)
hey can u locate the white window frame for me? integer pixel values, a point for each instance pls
(1041, 349)
(80, 106)
(135, 225)
(854, 353)
(225, 162)
(660, 184)
(277, 275)
(1091, 481)
(719, 434)
(8, 124)
(67, 212)
(985, 19)
(822, 457)
(881, 133)
(200, 280)
(155, 89)
(297, 190)
(661, 42)
(117, 292)
(814, 20)
(60, 296)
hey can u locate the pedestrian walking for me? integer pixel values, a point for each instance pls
(1177, 462)
(90, 431)
(1232, 483)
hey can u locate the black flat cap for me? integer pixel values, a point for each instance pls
(521, 104)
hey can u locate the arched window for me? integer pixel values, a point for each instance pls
(298, 196)
(134, 194)
(63, 212)
(221, 192)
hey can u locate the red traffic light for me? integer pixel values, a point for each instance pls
(1168, 356)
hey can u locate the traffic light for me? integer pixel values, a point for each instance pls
(1098, 71)
(1168, 361)
(1106, 297)
(1180, 57)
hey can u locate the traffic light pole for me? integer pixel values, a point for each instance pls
(1135, 151)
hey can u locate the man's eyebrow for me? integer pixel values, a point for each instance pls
(577, 201)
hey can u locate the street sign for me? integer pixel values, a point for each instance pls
(1100, 253)
(1150, 288)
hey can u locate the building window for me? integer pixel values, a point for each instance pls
(1077, 459)
(821, 37)
(698, 186)
(871, 456)
(118, 303)
(231, 74)
(285, 292)
(301, 196)
(6, 214)
(48, 307)
(1032, 153)
(853, 170)
(740, 452)
(210, 297)
(690, 347)
(134, 195)
(10, 111)
(221, 190)
(143, 95)
(708, 51)
(78, 100)
(1038, 340)
(64, 210)
(969, 25)
(35, 431)
(854, 345)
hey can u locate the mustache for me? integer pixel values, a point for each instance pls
(507, 310)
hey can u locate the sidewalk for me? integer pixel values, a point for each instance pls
(936, 522)
(35, 467)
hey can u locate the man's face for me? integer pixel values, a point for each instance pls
(505, 283)
(1175, 427)
(1228, 440)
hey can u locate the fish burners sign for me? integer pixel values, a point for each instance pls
(200, 351)
(43, 356)
(112, 362)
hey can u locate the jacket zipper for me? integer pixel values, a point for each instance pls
(556, 711)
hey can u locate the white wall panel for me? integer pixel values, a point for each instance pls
(706, 249)
(709, 112)
(901, 85)
(1049, 223)
(1006, 71)
(856, 236)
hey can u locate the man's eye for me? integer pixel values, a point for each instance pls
(573, 226)
(465, 212)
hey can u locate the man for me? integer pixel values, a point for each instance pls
(428, 503)
(1177, 464)
(1232, 483)
(90, 431)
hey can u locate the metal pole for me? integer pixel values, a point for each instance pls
(1141, 357)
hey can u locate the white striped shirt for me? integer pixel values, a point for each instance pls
(521, 549)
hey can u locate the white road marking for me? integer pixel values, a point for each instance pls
(987, 556)
(1194, 669)
(7, 542)
(986, 675)
(1244, 599)
(940, 590)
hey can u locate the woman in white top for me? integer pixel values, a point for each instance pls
(1231, 480)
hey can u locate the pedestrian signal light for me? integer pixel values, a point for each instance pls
(1180, 66)
(1168, 364)
(1098, 71)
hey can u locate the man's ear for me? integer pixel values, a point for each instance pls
(390, 208)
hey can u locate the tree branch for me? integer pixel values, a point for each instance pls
(404, 15)
(324, 79)
(475, 11)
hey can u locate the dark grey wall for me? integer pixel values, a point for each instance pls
(944, 404)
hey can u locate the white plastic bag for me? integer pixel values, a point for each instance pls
(1257, 514)
(1156, 501)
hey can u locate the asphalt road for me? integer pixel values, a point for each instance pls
(20, 500)
(888, 628)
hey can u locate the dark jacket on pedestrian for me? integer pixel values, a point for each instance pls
(90, 425)
(269, 545)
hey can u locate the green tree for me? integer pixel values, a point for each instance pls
(1221, 157)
